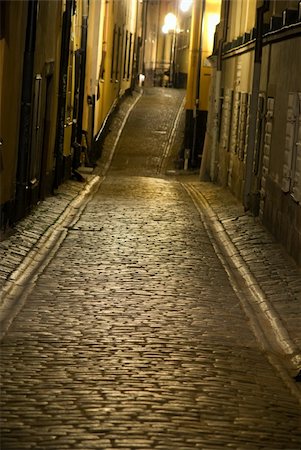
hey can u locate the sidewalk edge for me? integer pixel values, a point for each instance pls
(276, 335)
(23, 278)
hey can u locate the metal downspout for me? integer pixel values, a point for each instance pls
(22, 176)
(83, 52)
(62, 94)
(144, 32)
(217, 94)
(135, 57)
(197, 91)
(253, 107)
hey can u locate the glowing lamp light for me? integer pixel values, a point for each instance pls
(185, 5)
(170, 23)
(165, 29)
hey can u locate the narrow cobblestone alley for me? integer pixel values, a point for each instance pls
(133, 337)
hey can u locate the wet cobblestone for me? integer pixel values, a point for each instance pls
(133, 337)
(26, 233)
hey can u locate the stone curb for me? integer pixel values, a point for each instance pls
(269, 327)
(21, 280)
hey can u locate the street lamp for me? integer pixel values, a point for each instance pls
(170, 25)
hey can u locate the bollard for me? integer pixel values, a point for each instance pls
(186, 158)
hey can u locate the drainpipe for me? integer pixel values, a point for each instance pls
(157, 43)
(62, 94)
(83, 52)
(197, 90)
(247, 199)
(144, 31)
(135, 58)
(22, 177)
(217, 94)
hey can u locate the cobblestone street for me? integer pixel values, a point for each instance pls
(132, 336)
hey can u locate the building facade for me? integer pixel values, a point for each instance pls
(64, 67)
(253, 137)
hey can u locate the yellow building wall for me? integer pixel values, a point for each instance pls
(193, 56)
(11, 52)
(103, 17)
(211, 19)
(48, 48)
(109, 88)
(242, 17)
(211, 16)
(46, 67)
(94, 55)
(130, 25)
